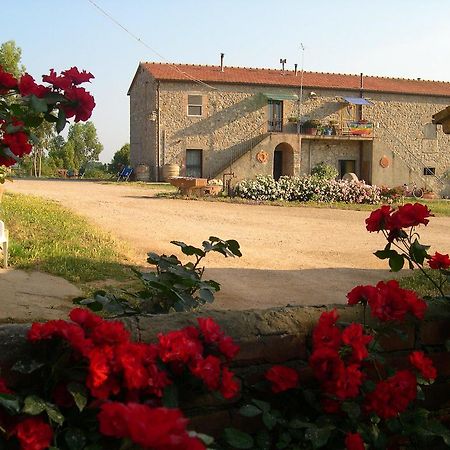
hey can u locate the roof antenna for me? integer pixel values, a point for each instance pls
(282, 62)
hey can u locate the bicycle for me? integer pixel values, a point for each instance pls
(412, 190)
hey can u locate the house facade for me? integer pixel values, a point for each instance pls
(236, 123)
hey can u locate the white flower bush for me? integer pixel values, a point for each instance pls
(308, 188)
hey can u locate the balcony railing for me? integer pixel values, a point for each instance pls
(360, 128)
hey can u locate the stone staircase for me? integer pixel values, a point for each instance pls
(240, 149)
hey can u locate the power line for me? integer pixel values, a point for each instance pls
(137, 38)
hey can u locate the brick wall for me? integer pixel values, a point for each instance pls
(267, 337)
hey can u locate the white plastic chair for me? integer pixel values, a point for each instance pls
(4, 238)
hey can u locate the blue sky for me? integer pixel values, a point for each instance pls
(398, 38)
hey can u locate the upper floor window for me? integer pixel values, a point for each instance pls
(195, 105)
(429, 170)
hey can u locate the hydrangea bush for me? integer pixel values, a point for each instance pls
(308, 188)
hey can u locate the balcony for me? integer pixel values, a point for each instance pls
(352, 129)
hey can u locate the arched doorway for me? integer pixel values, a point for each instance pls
(283, 160)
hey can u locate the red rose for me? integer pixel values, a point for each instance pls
(361, 294)
(228, 347)
(33, 434)
(80, 105)
(210, 329)
(230, 386)
(325, 363)
(180, 345)
(326, 333)
(7, 81)
(393, 302)
(378, 219)
(76, 77)
(438, 261)
(4, 388)
(282, 378)
(110, 333)
(112, 420)
(423, 364)
(344, 382)
(27, 86)
(18, 145)
(410, 216)
(354, 441)
(208, 370)
(393, 395)
(152, 428)
(59, 82)
(85, 318)
(354, 336)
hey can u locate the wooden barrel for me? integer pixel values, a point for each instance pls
(170, 170)
(142, 172)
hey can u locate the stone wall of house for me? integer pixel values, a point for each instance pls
(233, 115)
(143, 122)
(267, 337)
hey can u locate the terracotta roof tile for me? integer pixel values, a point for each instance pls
(273, 77)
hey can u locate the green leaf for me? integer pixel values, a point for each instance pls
(385, 254)
(38, 104)
(352, 409)
(75, 438)
(26, 366)
(262, 405)
(269, 420)
(188, 250)
(234, 247)
(237, 438)
(438, 429)
(249, 410)
(207, 440)
(54, 413)
(206, 295)
(318, 436)
(10, 402)
(79, 394)
(170, 396)
(284, 440)
(263, 440)
(418, 252)
(61, 123)
(32, 121)
(297, 424)
(34, 405)
(396, 262)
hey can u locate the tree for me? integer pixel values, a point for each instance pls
(10, 56)
(83, 139)
(120, 159)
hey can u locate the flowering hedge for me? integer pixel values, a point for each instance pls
(308, 188)
(24, 104)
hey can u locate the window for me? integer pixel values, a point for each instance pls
(194, 159)
(429, 170)
(346, 166)
(195, 105)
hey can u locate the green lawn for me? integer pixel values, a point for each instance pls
(48, 237)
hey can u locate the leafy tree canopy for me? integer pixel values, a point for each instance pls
(121, 158)
(86, 146)
(10, 55)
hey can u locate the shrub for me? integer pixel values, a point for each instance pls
(324, 171)
(308, 188)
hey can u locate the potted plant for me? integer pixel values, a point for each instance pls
(310, 126)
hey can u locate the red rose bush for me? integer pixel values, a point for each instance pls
(93, 383)
(25, 104)
(347, 395)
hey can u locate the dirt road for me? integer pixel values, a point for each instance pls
(291, 255)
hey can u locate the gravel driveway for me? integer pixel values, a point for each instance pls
(291, 255)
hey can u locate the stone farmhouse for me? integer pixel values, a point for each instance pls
(235, 123)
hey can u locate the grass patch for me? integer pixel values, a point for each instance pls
(418, 282)
(48, 237)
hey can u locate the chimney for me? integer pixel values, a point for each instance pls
(221, 61)
(295, 69)
(282, 62)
